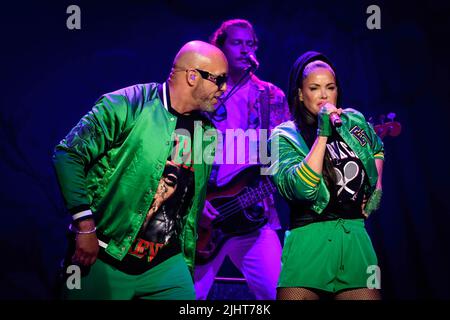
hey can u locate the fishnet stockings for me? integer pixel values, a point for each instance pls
(359, 294)
(308, 294)
(296, 294)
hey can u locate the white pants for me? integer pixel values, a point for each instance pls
(257, 255)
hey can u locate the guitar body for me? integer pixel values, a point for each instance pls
(387, 128)
(233, 202)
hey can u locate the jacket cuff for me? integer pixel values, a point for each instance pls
(79, 212)
(307, 175)
(379, 155)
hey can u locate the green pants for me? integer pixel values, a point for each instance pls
(169, 280)
(330, 256)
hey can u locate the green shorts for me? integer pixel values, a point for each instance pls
(169, 280)
(330, 256)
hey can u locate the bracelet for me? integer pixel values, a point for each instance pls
(73, 229)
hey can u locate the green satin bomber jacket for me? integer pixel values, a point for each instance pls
(111, 162)
(296, 181)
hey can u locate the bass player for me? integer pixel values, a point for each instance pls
(252, 104)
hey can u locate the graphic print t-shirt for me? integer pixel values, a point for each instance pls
(158, 239)
(347, 196)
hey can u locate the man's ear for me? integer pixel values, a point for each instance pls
(191, 77)
(300, 94)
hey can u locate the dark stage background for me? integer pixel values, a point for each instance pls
(51, 76)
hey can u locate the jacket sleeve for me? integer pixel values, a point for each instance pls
(376, 143)
(94, 134)
(293, 177)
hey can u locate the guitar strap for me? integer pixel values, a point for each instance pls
(264, 113)
(264, 103)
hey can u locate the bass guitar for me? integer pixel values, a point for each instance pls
(237, 216)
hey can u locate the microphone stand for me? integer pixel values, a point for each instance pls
(248, 70)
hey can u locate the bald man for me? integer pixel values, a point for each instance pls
(132, 176)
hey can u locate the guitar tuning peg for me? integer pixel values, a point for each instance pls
(391, 116)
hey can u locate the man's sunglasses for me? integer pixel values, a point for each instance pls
(218, 80)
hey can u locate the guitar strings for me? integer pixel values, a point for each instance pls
(228, 210)
(233, 203)
(226, 214)
(235, 206)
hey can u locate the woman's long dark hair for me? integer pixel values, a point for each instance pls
(307, 122)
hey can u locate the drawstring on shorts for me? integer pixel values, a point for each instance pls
(340, 223)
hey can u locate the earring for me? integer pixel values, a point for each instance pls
(300, 95)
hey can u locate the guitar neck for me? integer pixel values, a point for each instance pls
(255, 195)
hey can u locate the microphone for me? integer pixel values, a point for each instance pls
(252, 60)
(335, 120)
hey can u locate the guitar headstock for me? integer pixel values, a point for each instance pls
(386, 128)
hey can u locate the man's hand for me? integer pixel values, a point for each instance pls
(208, 215)
(86, 249)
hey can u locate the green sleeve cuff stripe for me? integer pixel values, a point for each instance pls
(305, 179)
(379, 155)
(309, 172)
